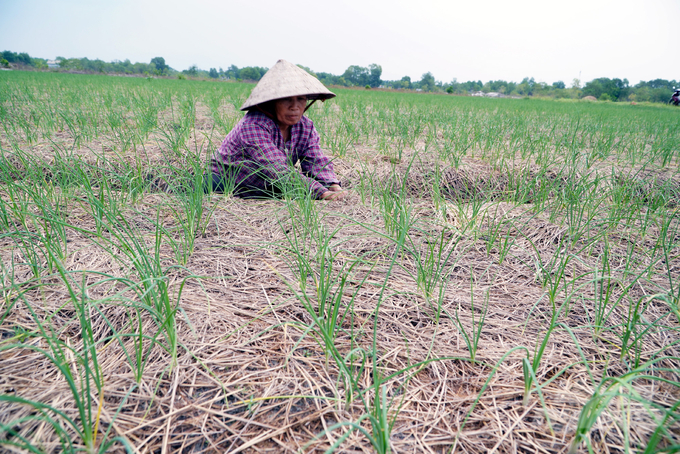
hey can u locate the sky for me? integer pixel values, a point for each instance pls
(466, 40)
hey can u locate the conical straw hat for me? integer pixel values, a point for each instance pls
(284, 79)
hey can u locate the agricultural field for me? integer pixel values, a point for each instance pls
(504, 276)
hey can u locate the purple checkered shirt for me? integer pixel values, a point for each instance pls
(256, 147)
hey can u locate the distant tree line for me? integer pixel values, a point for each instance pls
(21, 59)
(157, 66)
(603, 88)
(249, 73)
(657, 90)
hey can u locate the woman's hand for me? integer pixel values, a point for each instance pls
(334, 192)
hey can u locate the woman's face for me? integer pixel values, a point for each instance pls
(289, 110)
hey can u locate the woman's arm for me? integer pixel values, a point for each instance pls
(314, 163)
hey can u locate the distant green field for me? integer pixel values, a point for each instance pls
(35, 105)
(503, 275)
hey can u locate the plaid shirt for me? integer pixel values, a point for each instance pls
(255, 146)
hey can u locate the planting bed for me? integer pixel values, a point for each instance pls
(503, 276)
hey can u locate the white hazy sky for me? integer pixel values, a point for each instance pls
(467, 40)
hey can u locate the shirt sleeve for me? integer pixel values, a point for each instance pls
(271, 162)
(315, 164)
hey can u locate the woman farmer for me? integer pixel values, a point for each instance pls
(259, 154)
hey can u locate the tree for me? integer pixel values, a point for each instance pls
(356, 75)
(427, 83)
(262, 71)
(96, 65)
(308, 70)
(22, 58)
(231, 72)
(657, 83)
(559, 85)
(374, 77)
(453, 86)
(466, 87)
(249, 73)
(330, 79)
(213, 73)
(657, 90)
(159, 64)
(39, 63)
(70, 64)
(499, 86)
(192, 71)
(405, 82)
(615, 89)
(126, 66)
(526, 87)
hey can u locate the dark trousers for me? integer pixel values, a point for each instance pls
(221, 182)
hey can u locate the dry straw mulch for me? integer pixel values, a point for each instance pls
(249, 378)
(246, 374)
